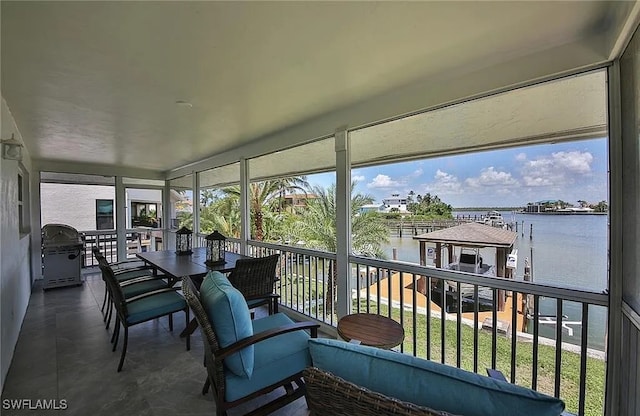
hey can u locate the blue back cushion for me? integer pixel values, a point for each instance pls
(427, 383)
(229, 315)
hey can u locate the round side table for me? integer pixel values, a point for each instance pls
(371, 329)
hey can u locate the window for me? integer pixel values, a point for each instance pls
(145, 214)
(104, 214)
(23, 202)
(20, 203)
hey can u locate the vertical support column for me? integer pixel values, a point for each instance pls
(343, 221)
(617, 191)
(196, 209)
(167, 211)
(121, 219)
(245, 210)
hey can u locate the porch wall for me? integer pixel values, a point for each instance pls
(15, 260)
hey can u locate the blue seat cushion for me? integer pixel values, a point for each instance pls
(154, 306)
(427, 383)
(276, 358)
(143, 287)
(124, 276)
(229, 315)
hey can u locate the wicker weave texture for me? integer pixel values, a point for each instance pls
(329, 395)
(255, 277)
(215, 369)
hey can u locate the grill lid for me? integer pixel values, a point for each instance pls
(60, 235)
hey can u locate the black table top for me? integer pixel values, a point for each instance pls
(192, 265)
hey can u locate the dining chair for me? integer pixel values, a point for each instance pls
(247, 358)
(123, 270)
(140, 308)
(255, 279)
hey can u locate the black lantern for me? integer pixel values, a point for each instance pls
(183, 241)
(215, 248)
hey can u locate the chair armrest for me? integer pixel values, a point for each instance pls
(153, 292)
(496, 374)
(139, 280)
(130, 270)
(270, 295)
(127, 262)
(222, 353)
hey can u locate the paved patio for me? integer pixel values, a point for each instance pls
(64, 353)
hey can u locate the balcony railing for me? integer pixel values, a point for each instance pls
(107, 242)
(545, 338)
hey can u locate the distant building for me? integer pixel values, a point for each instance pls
(372, 208)
(295, 201)
(542, 206)
(92, 207)
(395, 203)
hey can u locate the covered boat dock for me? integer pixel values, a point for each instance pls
(473, 235)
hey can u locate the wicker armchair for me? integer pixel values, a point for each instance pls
(255, 278)
(330, 395)
(218, 374)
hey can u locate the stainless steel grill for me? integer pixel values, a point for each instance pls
(62, 247)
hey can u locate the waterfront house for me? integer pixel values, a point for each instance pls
(395, 203)
(207, 94)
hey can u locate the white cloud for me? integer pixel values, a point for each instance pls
(383, 181)
(444, 184)
(521, 157)
(358, 178)
(492, 177)
(559, 168)
(416, 173)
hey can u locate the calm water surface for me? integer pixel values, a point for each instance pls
(566, 251)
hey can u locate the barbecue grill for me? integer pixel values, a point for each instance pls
(62, 248)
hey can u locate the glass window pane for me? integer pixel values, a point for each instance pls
(220, 200)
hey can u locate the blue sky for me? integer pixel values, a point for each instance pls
(511, 177)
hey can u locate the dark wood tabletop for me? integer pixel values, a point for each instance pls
(168, 262)
(371, 329)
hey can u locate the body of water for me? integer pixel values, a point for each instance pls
(566, 251)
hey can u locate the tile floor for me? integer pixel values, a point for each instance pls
(63, 352)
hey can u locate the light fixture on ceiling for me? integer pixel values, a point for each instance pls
(182, 103)
(11, 149)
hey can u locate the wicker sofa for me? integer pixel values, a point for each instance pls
(350, 379)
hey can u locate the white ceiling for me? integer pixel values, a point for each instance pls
(97, 82)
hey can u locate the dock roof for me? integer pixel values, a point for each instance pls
(472, 235)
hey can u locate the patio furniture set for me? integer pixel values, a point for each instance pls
(246, 358)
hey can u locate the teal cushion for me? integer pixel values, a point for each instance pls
(229, 315)
(124, 276)
(276, 358)
(427, 383)
(143, 287)
(154, 306)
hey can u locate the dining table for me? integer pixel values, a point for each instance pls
(175, 267)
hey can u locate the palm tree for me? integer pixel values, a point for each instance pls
(266, 196)
(318, 230)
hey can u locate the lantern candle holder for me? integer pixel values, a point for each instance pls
(215, 248)
(183, 241)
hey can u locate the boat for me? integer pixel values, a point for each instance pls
(493, 218)
(470, 261)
